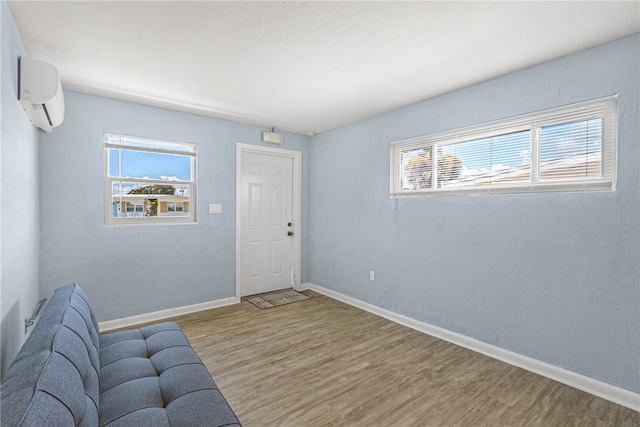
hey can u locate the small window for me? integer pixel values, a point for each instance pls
(562, 150)
(134, 209)
(149, 181)
(175, 207)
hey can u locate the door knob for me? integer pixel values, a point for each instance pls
(290, 233)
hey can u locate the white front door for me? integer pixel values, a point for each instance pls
(266, 221)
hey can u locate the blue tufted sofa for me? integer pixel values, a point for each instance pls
(67, 374)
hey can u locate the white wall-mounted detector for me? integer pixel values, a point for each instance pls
(272, 137)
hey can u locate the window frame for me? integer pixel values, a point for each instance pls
(604, 108)
(150, 145)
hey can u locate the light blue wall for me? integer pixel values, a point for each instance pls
(132, 270)
(551, 276)
(19, 217)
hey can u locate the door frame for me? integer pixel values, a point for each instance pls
(296, 205)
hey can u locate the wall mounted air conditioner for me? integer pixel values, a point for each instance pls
(40, 93)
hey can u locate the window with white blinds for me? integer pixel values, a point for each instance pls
(568, 149)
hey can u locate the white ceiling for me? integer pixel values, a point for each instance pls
(304, 67)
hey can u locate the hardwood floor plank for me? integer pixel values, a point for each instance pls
(320, 362)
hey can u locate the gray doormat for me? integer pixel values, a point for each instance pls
(277, 298)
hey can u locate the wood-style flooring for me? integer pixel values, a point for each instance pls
(321, 362)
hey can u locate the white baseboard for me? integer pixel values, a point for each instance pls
(598, 388)
(164, 314)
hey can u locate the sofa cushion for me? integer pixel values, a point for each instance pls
(152, 376)
(54, 379)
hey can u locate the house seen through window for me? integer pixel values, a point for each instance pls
(149, 181)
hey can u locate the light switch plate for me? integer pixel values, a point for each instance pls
(215, 208)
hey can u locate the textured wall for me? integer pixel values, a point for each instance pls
(19, 220)
(552, 276)
(131, 270)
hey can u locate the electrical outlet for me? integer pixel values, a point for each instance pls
(372, 276)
